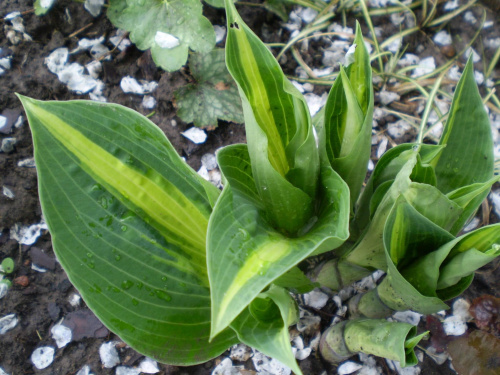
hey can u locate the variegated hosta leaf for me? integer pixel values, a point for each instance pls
(128, 220)
(348, 119)
(285, 159)
(426, 264)
(263, 325)
(252, 253)
(468, 155)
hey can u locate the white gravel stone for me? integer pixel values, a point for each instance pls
(4, 288)
(479, 77)
(307, 14)
(37, 268)
(126, 370)
(43, 357)
(398, 129)
(57, 60)
(27, 235)
(203, 172)
(409, 59)
(73, 76)
(470, 18)
(475, 56)
(442, 38)
(148, 366)
(387, 97)
(87, 44)
(495, 200)
(226, 368)
(74, 300)
(8, 144)
(316, 299)
(209, 161)
(2, 372)
(303, 353)
(410, 317)
(119, 40)
(454, 326)
(473, 224)
(149, 102)
(395, 46)
(94, 7)
(94, 68)
(109, 354)
(220, 33)
(426, 66)
(315, 102)
(195, 135)
(85, 370)
(7, 323)
(348, 367)
(240, 352)
(382, 147)
(61, 334)
(5, 62)
(130, 85)
(165, 40)
(265, 364)
(451, 5)
(461, 309)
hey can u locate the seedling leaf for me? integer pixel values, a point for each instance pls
(214, 95)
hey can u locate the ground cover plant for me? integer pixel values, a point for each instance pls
(286, 197)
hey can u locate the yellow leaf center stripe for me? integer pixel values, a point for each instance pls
(153, 194)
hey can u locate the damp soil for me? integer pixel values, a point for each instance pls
(42, 299)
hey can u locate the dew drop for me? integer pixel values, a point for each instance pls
(124, 228)
(139, 285)
(162, 295)
(118, 257)
(164, 278)
(127, 284)
(91, 265)
(135, 302)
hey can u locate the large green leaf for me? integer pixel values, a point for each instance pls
(285, 159)
(128, 220)
(149, 20)
(468, 156)
(348, 119)
(263, 325)
(252, 252)
(214, 94)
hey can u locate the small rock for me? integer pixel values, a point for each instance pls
(83, 323)
(265, 364)
(43, 357)
(26, 163)
(410, 317)
(22, 281)
(74, 300)
(439, 358)
(316, 299)
(7, 192)
(475, 56)
(454, 326)
(470, 18)
(241, 353)
(461, 309)
(38, 269)
(382, 147)
(4, 288)
(119, 40)
(226, 368)
(8, 145)
(27, 235)
(307, 14)
(126, 370)
(451, 5)
(209, 161)
(220, 33)
(2, 372)
(109, 354)
(130, 85)
(315, 102)
(61, 334)
(195, 135)
(94, 7)
(148, 366)
(348, 367)
(41, 259)
(398, 129)
(426, 66)
(149, 102)
(387, 97)
(165, 40)
(442, 38)
(3, 125)
(85, 370)
(57, 60)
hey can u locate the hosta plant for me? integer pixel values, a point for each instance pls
(181, 271)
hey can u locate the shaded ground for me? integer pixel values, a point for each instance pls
(41, 299)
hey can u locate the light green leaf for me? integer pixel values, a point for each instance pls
(128, 220)
(468, 156)
(285, 159)
(253, 253)
(150, 20)
(295, 281)
(263, 325)
(214, 95)
(348, 119)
